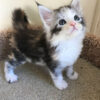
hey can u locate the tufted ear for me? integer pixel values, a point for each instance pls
(45, 14)
(76, 4)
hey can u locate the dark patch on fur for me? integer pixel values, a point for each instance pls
(18, 55)
(20, 20)
(17, 59)
(55, 30)
(14, 63)
(73, 73)
(33, 44)
(38, 4)
(58, 9)
(28, 42)
(25, 19)
(83, 22)
(48, 56)
(69, 6)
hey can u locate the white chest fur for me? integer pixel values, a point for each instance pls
(68, 51)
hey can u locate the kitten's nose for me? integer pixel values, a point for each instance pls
(72, 24)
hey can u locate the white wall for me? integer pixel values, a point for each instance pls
(95, 29)
(7, 6)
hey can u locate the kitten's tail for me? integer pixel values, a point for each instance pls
(20, 20)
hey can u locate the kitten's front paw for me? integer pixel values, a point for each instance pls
(73, 76)
(11, 78)
(61, 85)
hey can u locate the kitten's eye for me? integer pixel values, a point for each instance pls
(76, 18)
(62, 22)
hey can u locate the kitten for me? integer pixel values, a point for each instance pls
(58, 46)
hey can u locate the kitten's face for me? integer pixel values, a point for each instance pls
(65, 22)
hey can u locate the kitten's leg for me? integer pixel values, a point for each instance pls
(10, 76)
(71, 74)
(58, 80)
(15, 59)
(10, 66)
(55, 71)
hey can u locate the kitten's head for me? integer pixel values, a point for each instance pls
(64, 22)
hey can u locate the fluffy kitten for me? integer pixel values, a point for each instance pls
(59, 46)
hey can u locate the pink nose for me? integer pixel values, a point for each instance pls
(72, 24)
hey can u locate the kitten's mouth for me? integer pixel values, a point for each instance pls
(74, 29)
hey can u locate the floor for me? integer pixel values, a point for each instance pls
(35, 84)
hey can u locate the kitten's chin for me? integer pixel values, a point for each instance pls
(76, 30)
(74, 33)
(73, 30)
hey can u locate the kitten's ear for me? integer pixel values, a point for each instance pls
(45, 14)
(76, 4)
